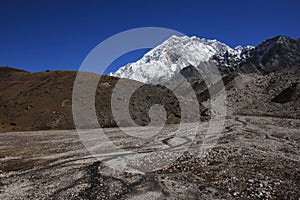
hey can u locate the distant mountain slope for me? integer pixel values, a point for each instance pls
(163, 62)
(273, 55)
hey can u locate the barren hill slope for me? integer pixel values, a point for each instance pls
(43, 100)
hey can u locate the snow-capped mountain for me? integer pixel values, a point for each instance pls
(164, 61)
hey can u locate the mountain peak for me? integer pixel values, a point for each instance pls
(162, 62)
(167, 59)
(280, 39)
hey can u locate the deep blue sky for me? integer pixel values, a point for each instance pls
(41, 34)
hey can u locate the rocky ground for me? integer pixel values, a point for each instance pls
(255, 158)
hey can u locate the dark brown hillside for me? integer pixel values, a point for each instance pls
(35, 101)
(43, 100)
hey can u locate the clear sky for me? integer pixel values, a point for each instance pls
(36, 35)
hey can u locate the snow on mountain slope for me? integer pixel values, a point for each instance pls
(164, 61)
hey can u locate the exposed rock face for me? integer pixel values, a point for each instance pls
(273, 55)
(275, 94)
(289, 94)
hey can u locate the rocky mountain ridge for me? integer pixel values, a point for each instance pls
(163, 62)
